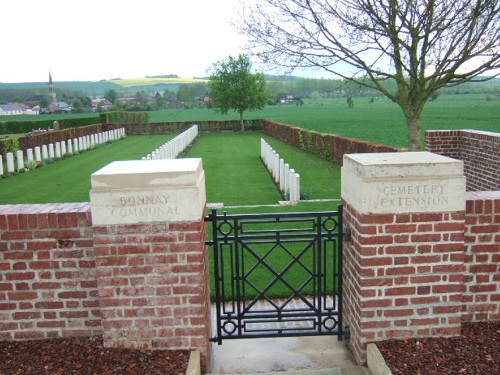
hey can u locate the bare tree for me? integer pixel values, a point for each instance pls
(421, 45)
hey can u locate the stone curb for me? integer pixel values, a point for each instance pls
(194, 366)
(375, 361)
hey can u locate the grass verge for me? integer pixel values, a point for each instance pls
(68, 180)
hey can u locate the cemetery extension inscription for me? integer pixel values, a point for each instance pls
(413, 195)
(144, 206)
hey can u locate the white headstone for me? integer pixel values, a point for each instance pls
(10, 162)
(294, 187)
(20, 159)
(29, 155)
(45, 152)
(51, 150)
(282, 176)
(38, 154)
(58, 150)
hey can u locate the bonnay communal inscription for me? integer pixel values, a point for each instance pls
(152, 205)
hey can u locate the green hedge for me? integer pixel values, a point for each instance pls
(123, 117)
(53, 136)
(12, 127)
(179, 127)
(328, 146)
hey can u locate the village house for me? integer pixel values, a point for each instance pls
(100, 103)
(59, 107)
(287, 98)
(27, 110)
(10, 110)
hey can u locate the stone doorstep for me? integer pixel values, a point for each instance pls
(194, 364)
(375, 361)
(330, 371)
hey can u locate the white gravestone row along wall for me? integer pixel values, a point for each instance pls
(285, 177)
(59, 149)
(175, 146)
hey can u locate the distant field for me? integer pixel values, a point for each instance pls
(97, 88)
(53, 117)
(130, 82)
(379, 121)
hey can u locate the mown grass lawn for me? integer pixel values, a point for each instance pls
(236, 176)
(68, 180)
(234, 172)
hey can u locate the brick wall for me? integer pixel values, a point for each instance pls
(48, 285)
(480, 152)
(411, 275)
(152, 282)
(482, 257)
(421, 275)
(403, 276)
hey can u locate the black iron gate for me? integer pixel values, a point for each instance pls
(277, 274)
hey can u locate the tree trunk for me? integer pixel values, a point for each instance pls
(242, 125)
(414, 121)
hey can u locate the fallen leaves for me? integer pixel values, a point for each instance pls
(476, 352)
(86, 356)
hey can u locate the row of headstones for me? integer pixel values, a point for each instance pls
(284, 177)
(175, 146)
(57, 150)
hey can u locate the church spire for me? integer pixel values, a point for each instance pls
(52, 91)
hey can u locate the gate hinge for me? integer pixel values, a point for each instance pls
(347, 235)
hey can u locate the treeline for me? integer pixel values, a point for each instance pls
(194, 95)
(311, 88)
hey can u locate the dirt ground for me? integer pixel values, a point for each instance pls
(81, 356)
(476, 351)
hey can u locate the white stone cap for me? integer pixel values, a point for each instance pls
(148, 174)
(145, 191)
(406, 182)
(402, 164)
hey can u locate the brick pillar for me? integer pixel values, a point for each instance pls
(151, 259)
(403, 268)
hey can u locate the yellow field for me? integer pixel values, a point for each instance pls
(128, 82)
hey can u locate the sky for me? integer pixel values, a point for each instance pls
(105, 39)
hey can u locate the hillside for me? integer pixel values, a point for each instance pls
(98, 88)
(129, 86)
